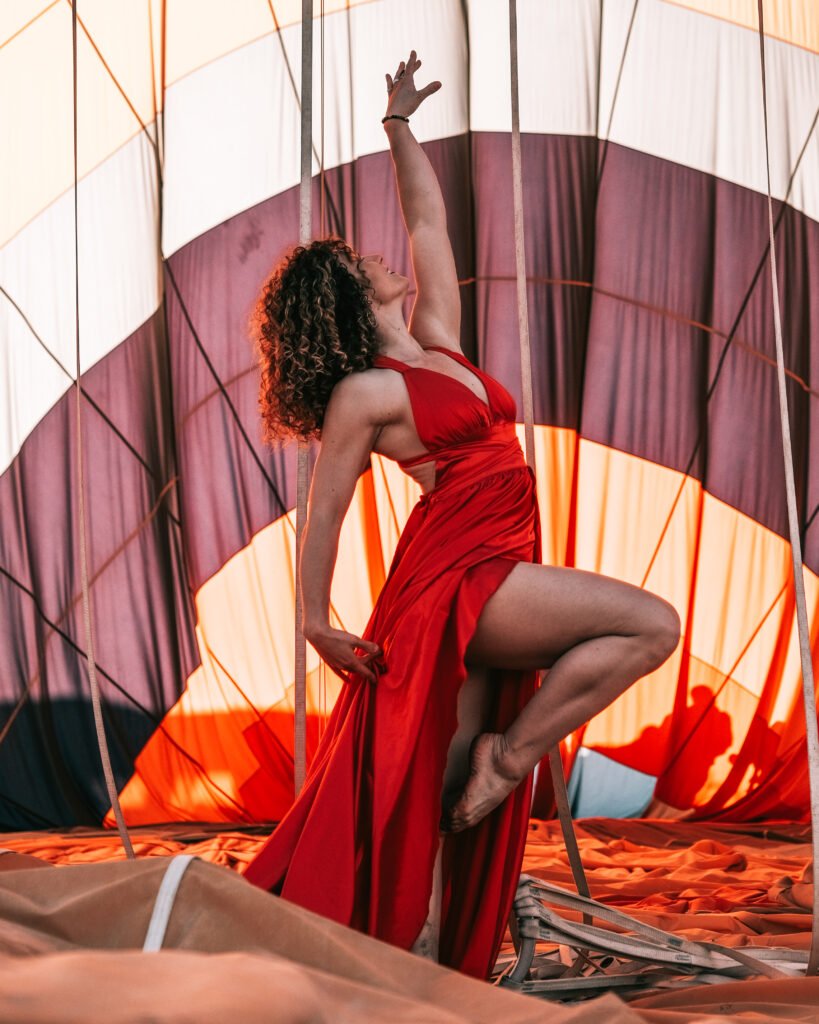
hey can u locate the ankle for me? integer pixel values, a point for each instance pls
(509, 762)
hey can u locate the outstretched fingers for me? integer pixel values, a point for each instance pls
(404, 74)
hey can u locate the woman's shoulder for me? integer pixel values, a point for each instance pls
(377, 389)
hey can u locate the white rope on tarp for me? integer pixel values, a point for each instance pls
(163, 904)
(102, 742)
(558, 778)
(803, 628)
(305, 231)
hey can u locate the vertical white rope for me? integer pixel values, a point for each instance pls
(555, 764)
(305, 232)
(96, 703)
(803, 628)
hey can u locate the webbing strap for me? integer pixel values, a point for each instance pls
(564, 813)
(163, 904)
(305, 231)
(808, 690)
(90, 646)
(520, 248)
(555, 763)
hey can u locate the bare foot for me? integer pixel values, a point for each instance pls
(491, 780)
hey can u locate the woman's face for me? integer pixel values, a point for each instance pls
(387, 284)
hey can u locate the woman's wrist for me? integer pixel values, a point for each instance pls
(314, 627)
(394, 119)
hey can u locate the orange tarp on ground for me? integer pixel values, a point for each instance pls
(738, 885)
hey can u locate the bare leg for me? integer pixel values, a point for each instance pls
(426, 944)
(473, 698)
(628, 633)
(471, 719)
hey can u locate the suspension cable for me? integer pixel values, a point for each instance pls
(305, 226)
(96, 703)
(808, 691)
(555, 764)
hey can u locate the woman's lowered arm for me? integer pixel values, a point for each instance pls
(350, 427)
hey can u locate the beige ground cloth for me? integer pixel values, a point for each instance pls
(232, 953)
(71, 936)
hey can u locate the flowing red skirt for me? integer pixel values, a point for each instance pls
(359, 844)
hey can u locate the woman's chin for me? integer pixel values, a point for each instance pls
(397, 291)
(401, 284)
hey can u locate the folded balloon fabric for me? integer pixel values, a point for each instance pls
(738, 885)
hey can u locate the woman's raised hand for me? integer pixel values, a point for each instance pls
(337, 648)
(404, 98)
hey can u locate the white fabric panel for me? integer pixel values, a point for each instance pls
(16, 14)
(201, 31)
(32, 382)
(691, 93)
(232, 128)
(37, 106)
(119, 286)
(557, 66)
(690, 89)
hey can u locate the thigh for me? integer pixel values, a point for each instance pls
(541, 611)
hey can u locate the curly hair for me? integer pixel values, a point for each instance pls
(313, 324)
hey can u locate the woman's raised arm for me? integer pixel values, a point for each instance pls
(436, 313)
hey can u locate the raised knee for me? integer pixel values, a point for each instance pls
(664, 635)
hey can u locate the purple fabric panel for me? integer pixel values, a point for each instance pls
(558, 193)
(379, 227)
(676, 245)
(645, 371)
(667, 247)
(142, 612)
(232, 484)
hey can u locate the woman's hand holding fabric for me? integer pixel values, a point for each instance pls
(337, 648)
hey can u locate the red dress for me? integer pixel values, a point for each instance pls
(360, 842)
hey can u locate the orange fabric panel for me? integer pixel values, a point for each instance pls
(717, 719)
(623, 510)
(224, 752)
(791, 21)
(720, 722)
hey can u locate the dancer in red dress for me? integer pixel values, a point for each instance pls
(412, 821)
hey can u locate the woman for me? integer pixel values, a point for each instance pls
(412, 821)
